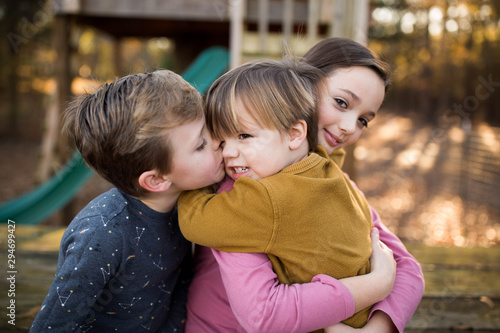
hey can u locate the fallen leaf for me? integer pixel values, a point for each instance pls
(487, 300)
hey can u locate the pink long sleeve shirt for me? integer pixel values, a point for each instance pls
(239, 292)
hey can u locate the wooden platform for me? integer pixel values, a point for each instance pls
(462, 291)
(462, 284)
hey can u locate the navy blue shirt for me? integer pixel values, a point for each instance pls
(122, 267)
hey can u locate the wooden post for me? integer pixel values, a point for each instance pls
(62, 27)
(55, 149)
(287, 23)
(312, 22)
(263, 25)
(338, 18)
(236, 16)
(64, 78)
(361, 20)
(10, 21)
(117, 56)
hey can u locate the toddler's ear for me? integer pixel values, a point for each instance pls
(154, 182)
(298, 133)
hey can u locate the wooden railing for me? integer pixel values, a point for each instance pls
(309, 20)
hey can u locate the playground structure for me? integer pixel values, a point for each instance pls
(43, 201)
(202, 31)
(247, 27)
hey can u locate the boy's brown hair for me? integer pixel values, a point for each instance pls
(277, 93)
(121, 129)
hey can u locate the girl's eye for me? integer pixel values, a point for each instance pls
(363, 122)
(244, 136)
(341, 103)
(202, 146)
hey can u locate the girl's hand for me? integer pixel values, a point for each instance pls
(368, 289)
(382, 262)
(378, 323)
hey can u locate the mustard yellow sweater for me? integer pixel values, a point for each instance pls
(308, 219)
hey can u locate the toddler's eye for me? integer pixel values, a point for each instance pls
(202, 146)
(341, 103)
(244, 136)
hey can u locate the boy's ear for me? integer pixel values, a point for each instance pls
(298, 133)
(154, 182)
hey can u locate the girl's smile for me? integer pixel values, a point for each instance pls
(332, 139)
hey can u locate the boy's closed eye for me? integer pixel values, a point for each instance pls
(202, 146)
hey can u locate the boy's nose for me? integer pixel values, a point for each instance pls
(216, 144)
(229, 150)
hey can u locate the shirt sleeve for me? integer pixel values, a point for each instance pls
(408, 288)
(240, 220)
(261, 304)
(84, 269)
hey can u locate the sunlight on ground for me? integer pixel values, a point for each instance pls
(489, 138)
(429, 156)
(435, 192)
(414, 152)
(441, 221)
(393, 129)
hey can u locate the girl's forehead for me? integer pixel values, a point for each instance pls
(353, 77)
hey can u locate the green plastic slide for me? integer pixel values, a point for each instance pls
(39, 204)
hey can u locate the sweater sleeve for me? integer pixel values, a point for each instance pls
(240, 220)
(261, 304)
(408, 288)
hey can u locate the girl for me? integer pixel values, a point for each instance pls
(343, 112)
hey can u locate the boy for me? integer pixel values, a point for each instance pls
(297, 207)
(123, 263)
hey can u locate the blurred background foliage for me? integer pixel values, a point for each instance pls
(438, 50)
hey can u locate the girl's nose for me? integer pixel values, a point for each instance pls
(348, 123)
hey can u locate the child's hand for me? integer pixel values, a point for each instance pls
(382, 263)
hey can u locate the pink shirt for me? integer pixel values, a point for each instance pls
(239, 292)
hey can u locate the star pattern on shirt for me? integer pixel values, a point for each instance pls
(139, 231)
(63, 299)
(104, 272)
(131, 304)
